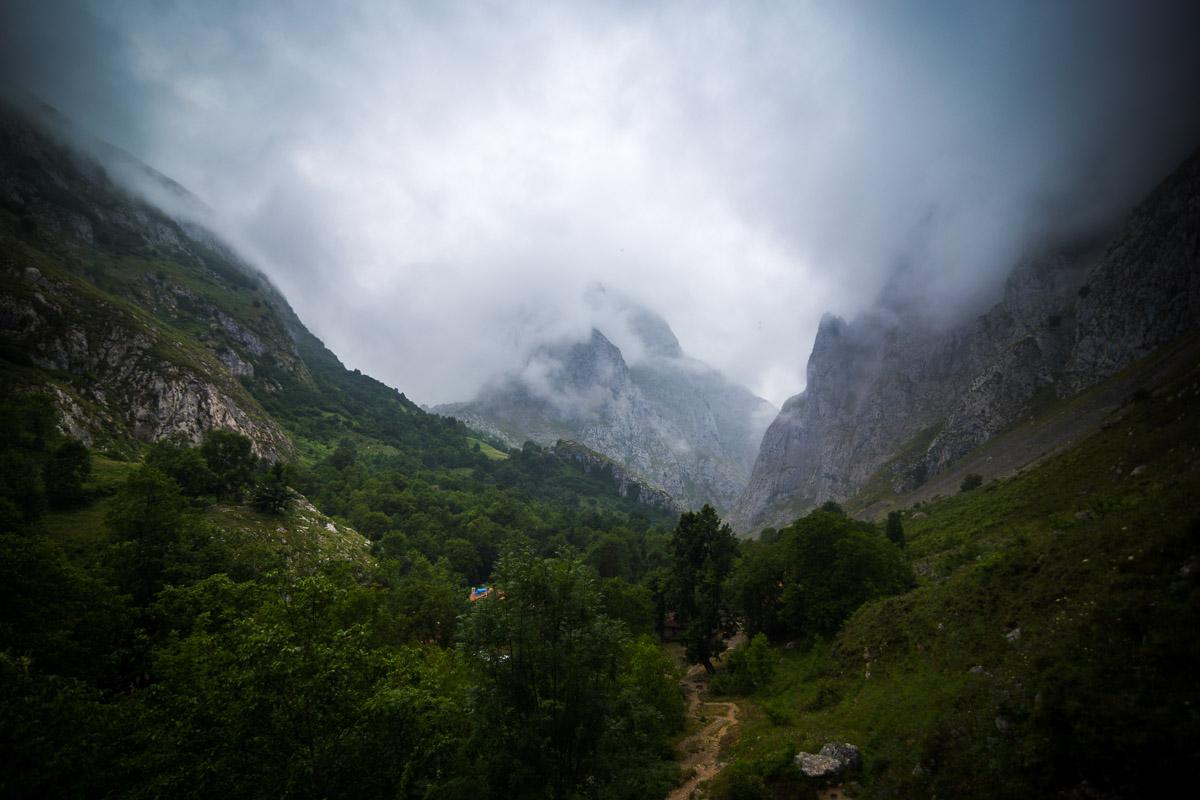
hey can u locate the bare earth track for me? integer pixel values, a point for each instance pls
(699, 752)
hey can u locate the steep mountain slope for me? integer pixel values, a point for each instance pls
(678, 423)
(1049, 648)
(144, 327)
(893, 399)
(139, 326)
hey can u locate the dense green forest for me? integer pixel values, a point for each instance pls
(287, 614)
(163, 636)
(197, 612)
(147, 654)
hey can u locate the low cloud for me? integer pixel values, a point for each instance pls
(435, 185)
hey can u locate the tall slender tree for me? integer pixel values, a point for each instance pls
(703, 549)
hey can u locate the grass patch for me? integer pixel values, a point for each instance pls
(485, 448)
(1051, 638)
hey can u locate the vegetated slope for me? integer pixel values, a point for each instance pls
(161, 636)
(891, 391)
(138, 326)
(1050, 647)
(681, 425)
(152, 327)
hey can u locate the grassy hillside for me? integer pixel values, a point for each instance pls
(168, 632)
(111, 303)
(1050, 646)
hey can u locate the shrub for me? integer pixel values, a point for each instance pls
(895, 529)
(64, 473)
(971, 481)
(750, 667)
(229, 455)
(272, 495)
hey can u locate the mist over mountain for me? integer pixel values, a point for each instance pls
(672, 419)
(896, 397)
(246, 246)
(421, 183)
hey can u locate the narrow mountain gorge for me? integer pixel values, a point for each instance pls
(671, 419)
(894, 398)
(963, 562)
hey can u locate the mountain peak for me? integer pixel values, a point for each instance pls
(638, 330)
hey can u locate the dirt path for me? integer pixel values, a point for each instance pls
(700, 750)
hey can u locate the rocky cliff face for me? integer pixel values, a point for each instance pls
(136, 325)
(627, 485)
(1146, 292)
(675, 422)
(891, 397)
(121, 373)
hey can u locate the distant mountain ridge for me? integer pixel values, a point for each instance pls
(892, 399)
(674, 421)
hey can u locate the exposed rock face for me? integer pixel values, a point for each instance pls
(672, 420)
(628, 485)
(130, 370)
(893, 398)
(835, 760)
(121, 357)
(1146, 292)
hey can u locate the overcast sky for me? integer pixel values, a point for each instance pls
(426, 181)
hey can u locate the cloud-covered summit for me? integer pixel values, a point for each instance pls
(424, 180)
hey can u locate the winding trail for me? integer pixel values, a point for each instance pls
(699, 752)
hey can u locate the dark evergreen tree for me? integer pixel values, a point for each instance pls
(146, 517)
(185, 465)
(702, 549)
(895, 529)
(271, 494)
(65, 471)
(822, 568)
(550, 691)
(230, 457)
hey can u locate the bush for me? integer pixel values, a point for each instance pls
(272, 495)
(750, 667)
(64, 473)
(895, 529)
(972, 481)
(230, 457)
(821, 569)
(183, 464)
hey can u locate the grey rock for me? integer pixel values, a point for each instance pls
(898, 397)
(817, 766)
(119, 373)
(678, 424)
(834, 761)
(236, 365)
(846, 754)
(1146, 292)
(627, 484)
(240, 334)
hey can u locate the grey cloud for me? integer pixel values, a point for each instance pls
(436, 185)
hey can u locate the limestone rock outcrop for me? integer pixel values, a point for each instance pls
(894, 398)
(677, 423)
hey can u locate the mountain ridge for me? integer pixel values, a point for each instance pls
(675, 421)
(900, 392)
